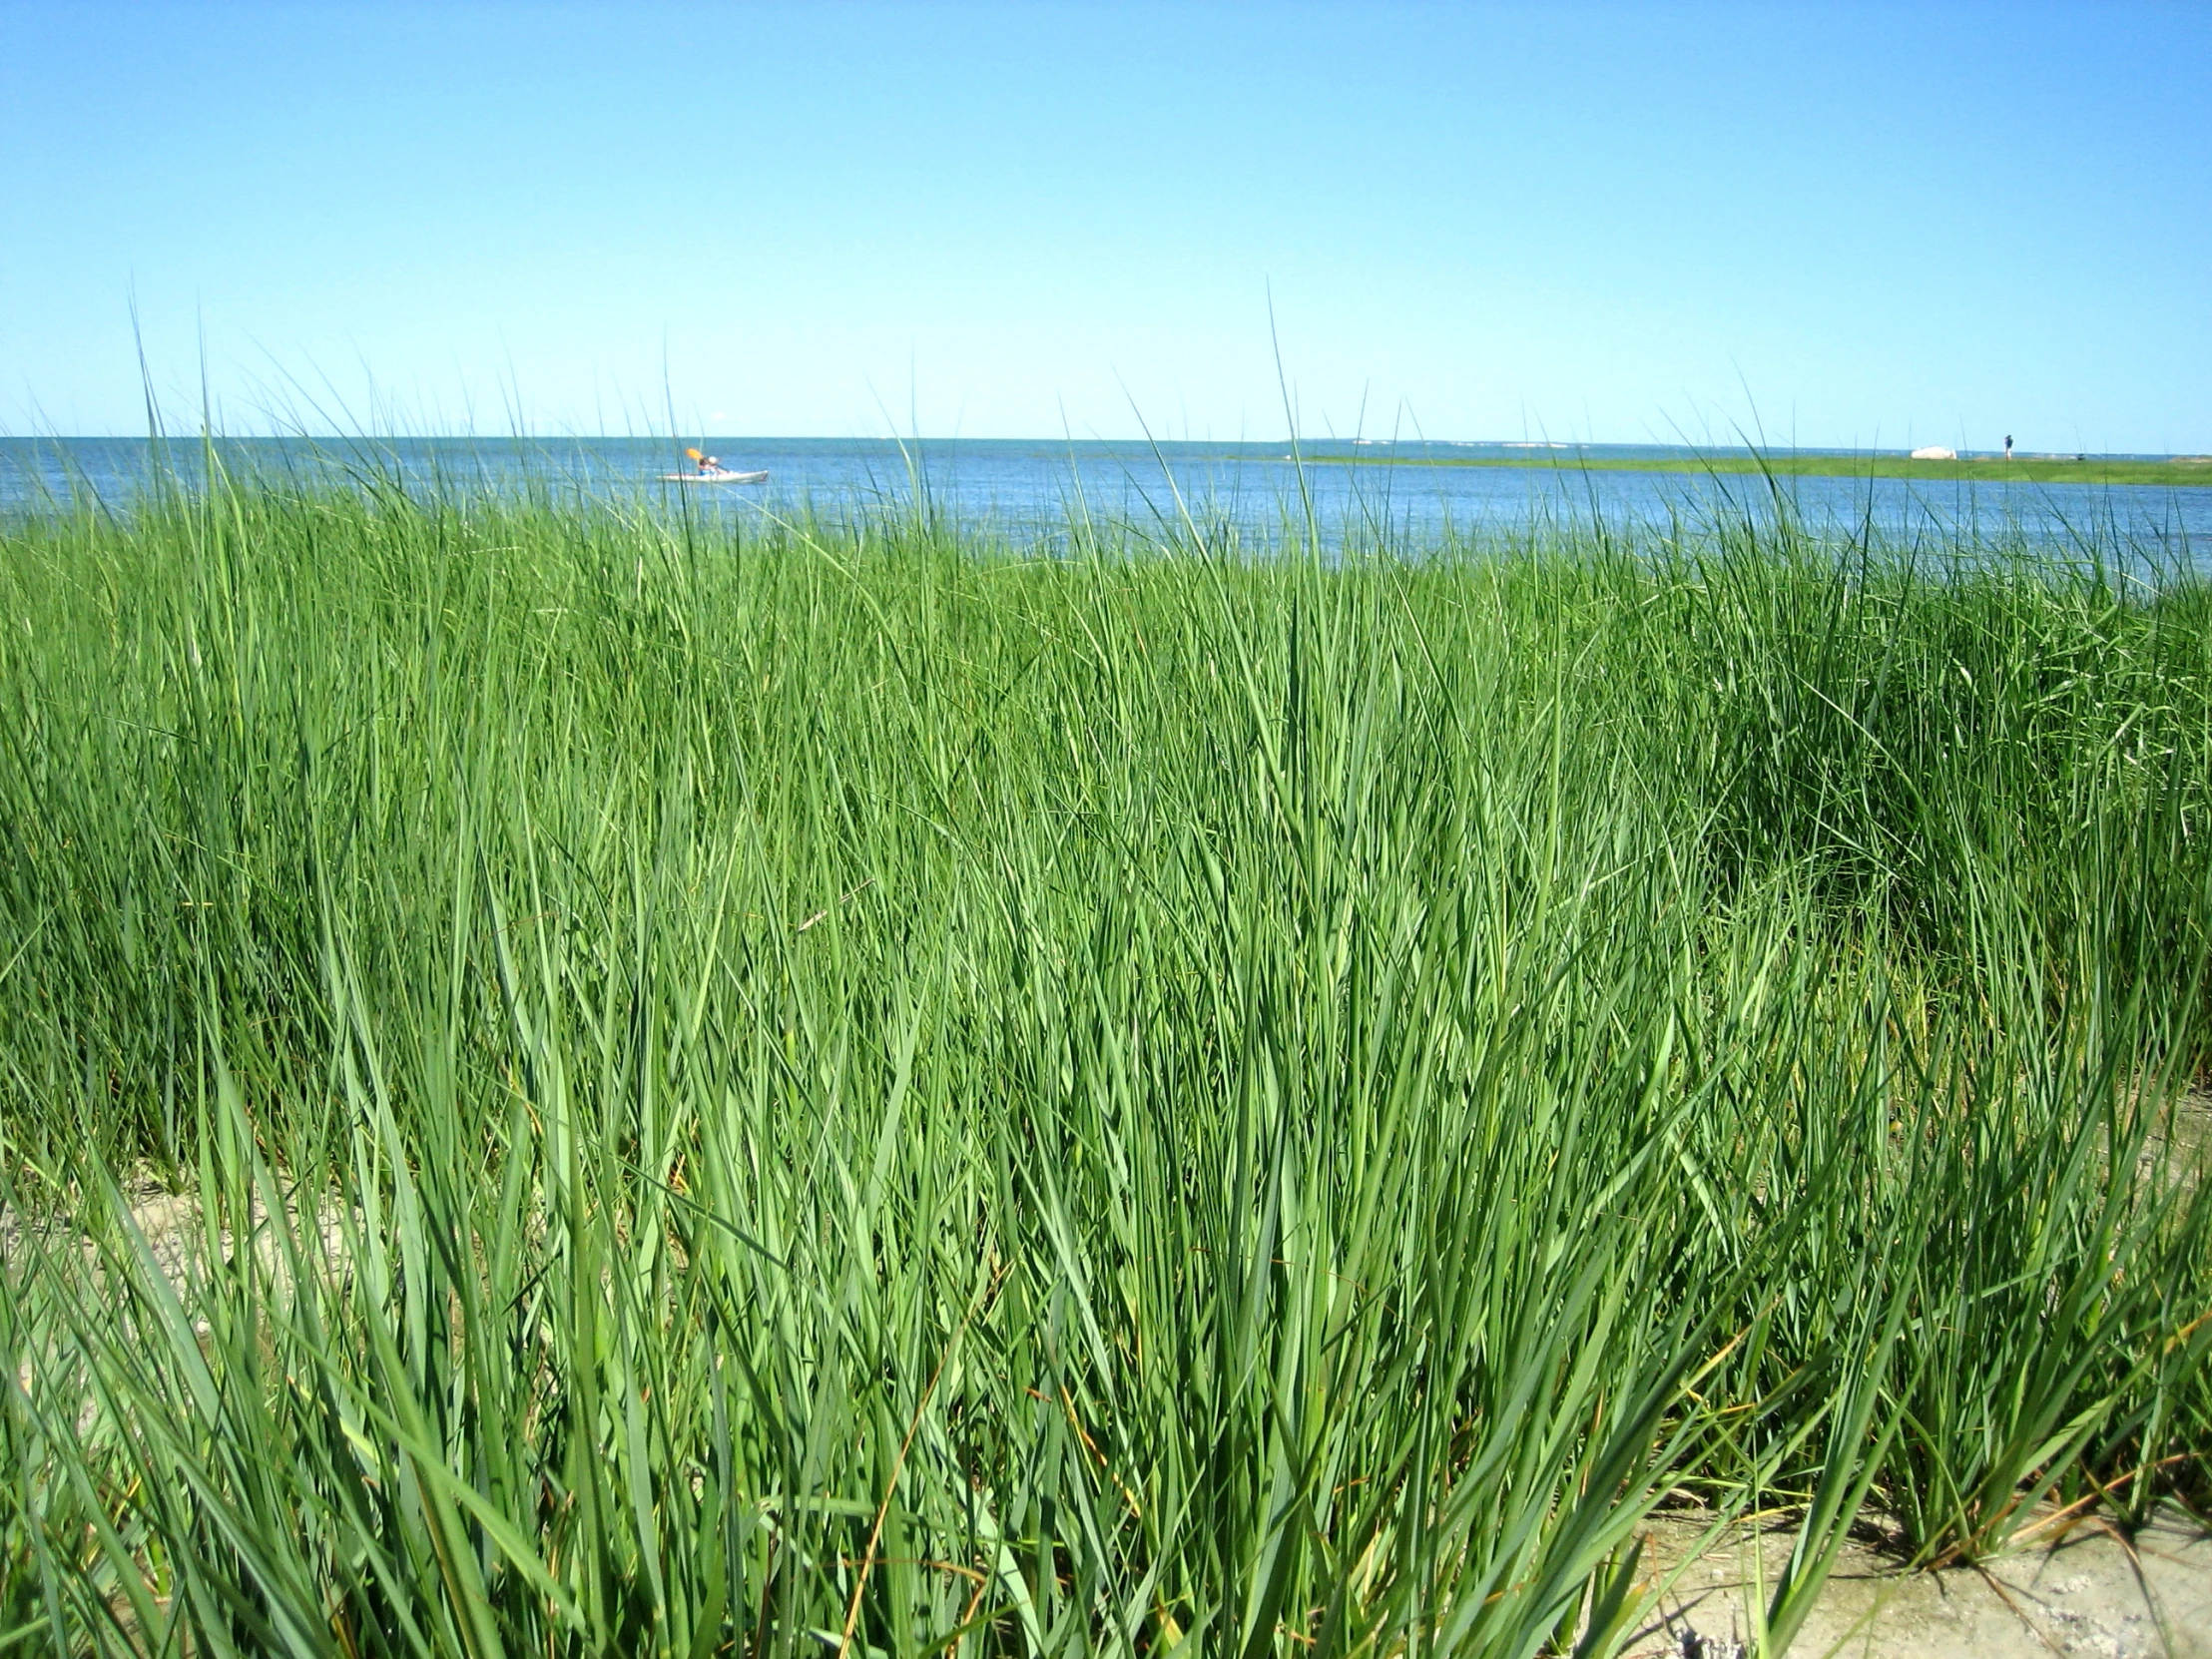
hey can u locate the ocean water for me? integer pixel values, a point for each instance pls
(1032, 491)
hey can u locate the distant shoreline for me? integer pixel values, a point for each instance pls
(2180, 472)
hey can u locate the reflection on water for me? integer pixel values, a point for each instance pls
(1034, 490)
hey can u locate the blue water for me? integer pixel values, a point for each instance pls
(1032, 490)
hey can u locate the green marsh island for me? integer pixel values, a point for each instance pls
(582, 1080)
(2168, 472)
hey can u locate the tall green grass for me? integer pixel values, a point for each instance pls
(843, 1087)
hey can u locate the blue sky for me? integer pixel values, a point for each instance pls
(1854, 223)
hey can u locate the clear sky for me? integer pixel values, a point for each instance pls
(1856, 224)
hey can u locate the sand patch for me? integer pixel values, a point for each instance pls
(175, 1235)
(2093, 1592)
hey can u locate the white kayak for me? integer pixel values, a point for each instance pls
(716, 477)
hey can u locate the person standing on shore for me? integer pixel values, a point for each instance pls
(2008, 446)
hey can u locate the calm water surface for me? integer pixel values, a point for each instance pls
(1031, 490)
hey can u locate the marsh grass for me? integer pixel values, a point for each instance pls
(841, 1086)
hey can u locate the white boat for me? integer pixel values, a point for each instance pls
(718, 477)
